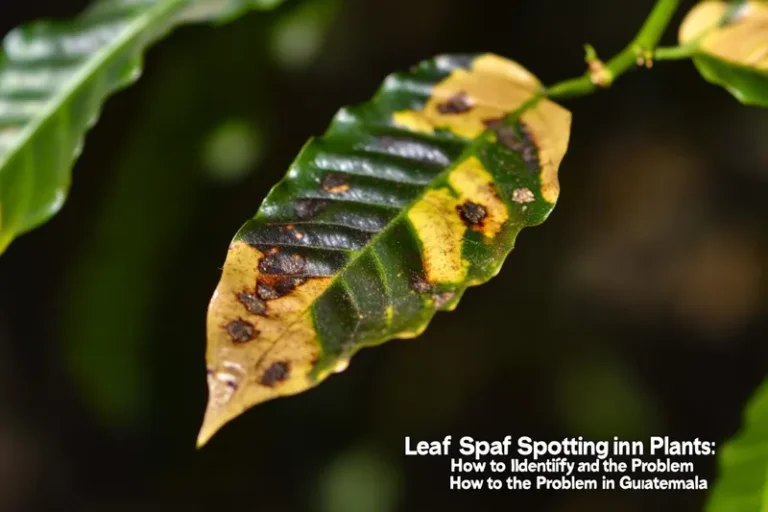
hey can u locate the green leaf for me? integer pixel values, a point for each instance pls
(743, 480)
(387, 218)
(730, 43)
(54, 78)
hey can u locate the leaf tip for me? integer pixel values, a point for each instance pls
(219, 410)
(211, 424)
(214, 419)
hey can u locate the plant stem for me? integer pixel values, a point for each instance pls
(644, 42)
(674, 52)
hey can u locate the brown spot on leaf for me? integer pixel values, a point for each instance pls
(472, 213)
(277, 372)
(335, 183)
(522, 143)
(266, 292)
(456, 104)
(272, 287)
(308, 208)
(280, 263)
(386, 141)
(252, 303)
(241, 331)
(441, 299)
(530, 149)
(419, 283)
(509, 138)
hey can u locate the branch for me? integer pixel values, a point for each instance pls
(638, 52)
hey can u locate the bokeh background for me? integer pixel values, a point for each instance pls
(638, 308)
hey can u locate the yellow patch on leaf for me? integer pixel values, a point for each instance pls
(743, 40)
(439, 227)
(260, 345)
(390, 314)
(468, 100)
(463, 102)
(550, 126)
(474, 184)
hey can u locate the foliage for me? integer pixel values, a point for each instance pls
(54, 78)
(405, 202)
(729, 45)
(744, 463)
(387, 218)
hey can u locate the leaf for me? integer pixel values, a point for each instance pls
(387, 218)
(743, 461)
(731, 46)
(54, 78)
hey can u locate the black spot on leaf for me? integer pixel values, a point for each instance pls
(472, 213)
(277, 372)
(309, 208)
(241, 331)
(281, 263)
(456, 104)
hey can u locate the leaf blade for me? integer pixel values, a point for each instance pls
(743, 463)
(54, 78)
(731, 46)
(387, 218)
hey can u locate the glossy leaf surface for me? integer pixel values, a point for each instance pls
(54, 77)
(387, 218)
(731, 41)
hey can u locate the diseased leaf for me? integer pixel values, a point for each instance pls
(387, 218)
(742, 485)
(731, 41)
(54, 78)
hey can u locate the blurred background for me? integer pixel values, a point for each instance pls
(638, 308)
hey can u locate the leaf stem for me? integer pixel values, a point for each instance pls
(674, 52)
(638, 52)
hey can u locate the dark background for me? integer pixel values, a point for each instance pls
(638, 308)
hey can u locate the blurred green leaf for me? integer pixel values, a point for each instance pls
(405, 202)
(600, 399)
(360, 479)
(742, 485)
(54, 78)
(731, 46)
(232, 149)
(297, 38)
